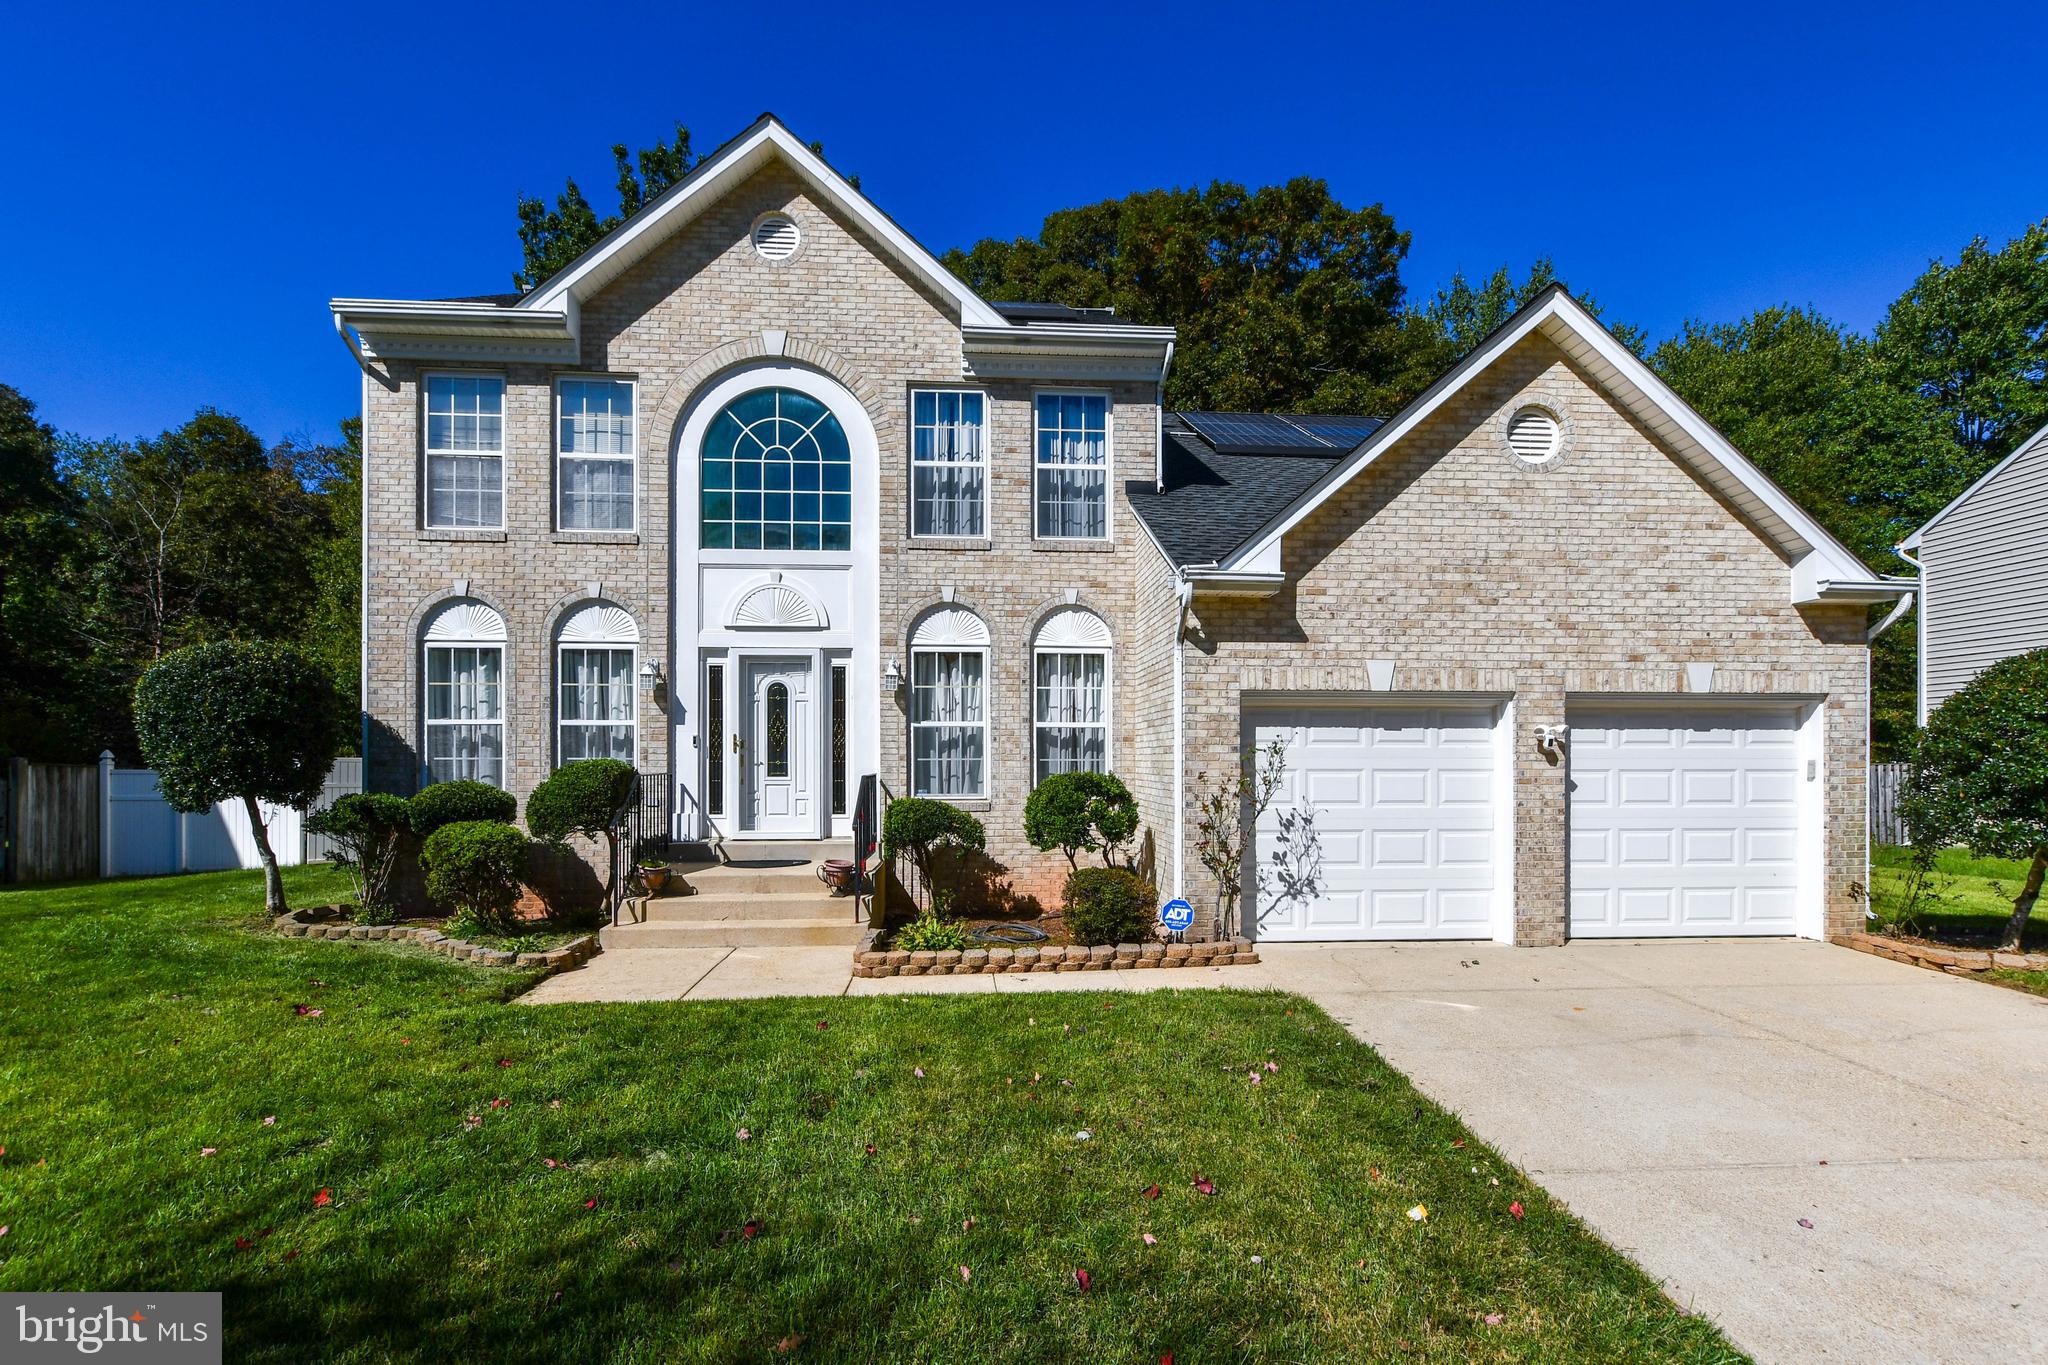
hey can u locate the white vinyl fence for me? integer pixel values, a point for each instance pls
(141, 836)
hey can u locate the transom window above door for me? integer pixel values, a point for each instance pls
(777, 475)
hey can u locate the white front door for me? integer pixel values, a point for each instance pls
(780, 759)
(1685, 820)
(1384, 827)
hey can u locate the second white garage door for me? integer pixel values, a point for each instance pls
(1403, 812)
(1685, 820)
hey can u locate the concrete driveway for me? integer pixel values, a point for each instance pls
(1693, 1101)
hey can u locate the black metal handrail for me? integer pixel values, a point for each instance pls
(867, 823)
(646, 829)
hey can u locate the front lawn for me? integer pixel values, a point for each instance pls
(1963, 900)
(376, 1158)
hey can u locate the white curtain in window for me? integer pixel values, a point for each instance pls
(1069, 717)
(597, 421)
(597, 704)
(465, 446)
(1073, 457)
(948, 464)
(949, 727)
(465, 716)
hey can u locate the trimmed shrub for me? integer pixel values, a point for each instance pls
(239, 721)
(1108, 905)
(475, 867)
(587, 798)
(1084, 811)
(921, 829)
(446, 803)
(366, 828)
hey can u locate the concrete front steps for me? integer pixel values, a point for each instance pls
(766, 895)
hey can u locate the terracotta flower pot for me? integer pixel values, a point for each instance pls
(655, 877)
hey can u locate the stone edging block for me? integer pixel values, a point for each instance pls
(1956, 961)
(869, 961)
(574, 953)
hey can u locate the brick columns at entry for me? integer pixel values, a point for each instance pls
(1542, 845)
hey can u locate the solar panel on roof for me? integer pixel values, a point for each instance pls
(1343, 431)
(1255, 433)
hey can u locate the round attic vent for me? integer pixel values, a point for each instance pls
(1533, 434)
(775, 236)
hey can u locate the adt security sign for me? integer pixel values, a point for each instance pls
(1177, 915)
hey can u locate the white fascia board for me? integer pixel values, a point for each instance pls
(720, 172)
(1234, 582)
(1038, 351)
(399, 329)
(1912, 542)
(1812, 582)
(1557, 312)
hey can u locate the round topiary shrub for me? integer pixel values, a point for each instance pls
(1108, 905)
(1082, 811)
(365, 828)
(921, 829)
(587, 798)
(446, 803)
(474, 867)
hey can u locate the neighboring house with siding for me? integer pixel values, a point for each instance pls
(1984, 574)
(760, 497)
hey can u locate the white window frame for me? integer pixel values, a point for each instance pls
(1108, 535)
(1108, 657)
(562, 725)
(987, 698)
(428, 724)
(632, 459)
(987, 461)
(428, 453)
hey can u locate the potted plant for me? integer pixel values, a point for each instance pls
(655, 873)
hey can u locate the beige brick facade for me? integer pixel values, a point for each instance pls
(1601, 574)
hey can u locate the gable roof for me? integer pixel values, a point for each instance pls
(2037, 442)
(1207, 502)
(768, 139)
(1822, 567)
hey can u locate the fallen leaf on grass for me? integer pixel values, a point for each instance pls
(243, 1244)
(208, 1151)
(871, 1149)
(1255, 1077)
(1150, 1240)
(823, 1024)
(1082, 1136)
(270, 1120)
(918, 1072)
(307, 1011)
(1516, 1209)
(1204, 1185)
(1151, 1191)
(1272, 1066)
(3, 1229)
(504, 1062)
(965, 1274)
(1494, 1319)
(1081, 1279)
(788, 1344)
(549, 1162)
(501, 1103)
(473, 1121)
(292, 1255)
(749, 1230)
(590, 1203)
(743, 1135)
(966, 1225)
(323, 1199)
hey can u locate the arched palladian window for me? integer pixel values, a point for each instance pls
(949, 705)
(1070, 694)
(778, 475)
(463, 706)
(596, 665)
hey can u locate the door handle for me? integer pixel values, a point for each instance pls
(738, 745)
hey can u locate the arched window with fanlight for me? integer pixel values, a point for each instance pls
(777, 475)
(949, 705)
(597, 651)
(1070, 694)
(462, 701)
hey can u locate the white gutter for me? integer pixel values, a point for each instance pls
(1919, 631)
(1904, 605)
(355, 347)
(1159, 426)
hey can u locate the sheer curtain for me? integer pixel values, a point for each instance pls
(465, 726)
(597, 704)
(1072, 729)
(949, 729)
(1073, 466)
(949, 469)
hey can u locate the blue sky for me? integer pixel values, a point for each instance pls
(188, 190)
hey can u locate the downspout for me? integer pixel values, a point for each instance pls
(1185, 591)
(363, 578)
(1159, 437)
(355, 347)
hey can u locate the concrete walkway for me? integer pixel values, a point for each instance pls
(1691, 1101)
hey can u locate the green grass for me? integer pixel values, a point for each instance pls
(147, 1020)
(1966, 901)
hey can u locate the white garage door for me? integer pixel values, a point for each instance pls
(1384, 828)
(1684, 821)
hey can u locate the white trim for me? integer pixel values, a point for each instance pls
(987, 471)
(632, 458)
(796, 607)
(1072, 629)
(464, 621)
(707, 182)
(1795, 532)
(428, 453)
(1912, 542)
(427, 724)
(598, 622)
(1107, 725)
(951, 628)
(1108, 536)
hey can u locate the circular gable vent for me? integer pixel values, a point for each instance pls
(1533, 435)
(775, 236)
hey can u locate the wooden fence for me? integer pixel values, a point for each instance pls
(53, 831)
(1886, 781)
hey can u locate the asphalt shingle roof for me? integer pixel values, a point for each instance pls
(1214, 502)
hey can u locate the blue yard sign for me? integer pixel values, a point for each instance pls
(1177, 915)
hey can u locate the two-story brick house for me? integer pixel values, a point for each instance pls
(760, 497)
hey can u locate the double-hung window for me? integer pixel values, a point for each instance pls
(596, 711)
(948, 722)
(948, 464)
(465, 451)
(466, 713)
(596, 442)
(1070, 714)
(1072, 473)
